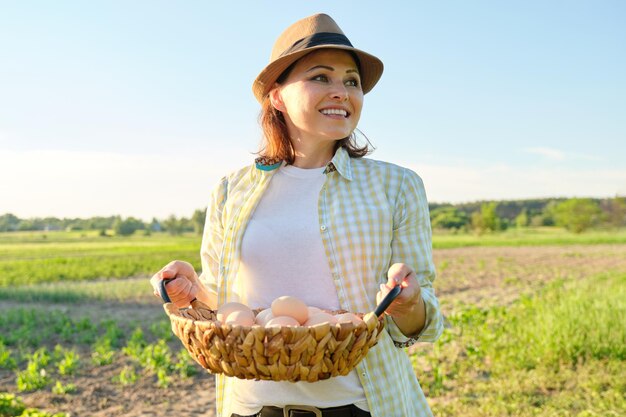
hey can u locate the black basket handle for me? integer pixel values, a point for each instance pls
(385, 302)
(163, 291)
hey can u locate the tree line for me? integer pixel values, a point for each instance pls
(574, 214)
(118, 225)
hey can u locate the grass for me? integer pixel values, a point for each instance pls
(121, 290)
(31, 258)
(28, 258)
(529, 237)
(559, 352)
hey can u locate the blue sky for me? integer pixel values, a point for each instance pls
(138, 108)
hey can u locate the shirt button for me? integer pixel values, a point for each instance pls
(323, 228)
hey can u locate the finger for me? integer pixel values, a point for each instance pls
(170, 271)
(383, 291)
(176, 286)
(397, 273)
(180, 268)
(154, 281)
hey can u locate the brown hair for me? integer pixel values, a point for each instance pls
(276, 145)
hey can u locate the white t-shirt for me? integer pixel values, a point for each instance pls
(282, 254)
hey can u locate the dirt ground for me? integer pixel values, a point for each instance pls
(485, 276)
(98, 396)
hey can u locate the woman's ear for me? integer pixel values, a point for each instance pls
(276, 99)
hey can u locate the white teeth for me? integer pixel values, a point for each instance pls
(335, 111)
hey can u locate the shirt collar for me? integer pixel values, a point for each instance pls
(339, 163)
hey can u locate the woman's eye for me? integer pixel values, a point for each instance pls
(320, 77)
(352, 83)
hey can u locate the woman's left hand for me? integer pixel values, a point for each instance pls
(407, 310)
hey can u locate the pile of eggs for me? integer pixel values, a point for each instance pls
(285, 311)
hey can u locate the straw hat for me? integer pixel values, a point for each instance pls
(306, 35)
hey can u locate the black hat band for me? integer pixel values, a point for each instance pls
(321, 38)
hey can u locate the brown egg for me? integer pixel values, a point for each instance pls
(348, 318)
(224, 311)
(290, 306)
(241, 318)
(320, 318)
(264, 316)
(282, 321)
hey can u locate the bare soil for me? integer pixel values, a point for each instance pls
(483, 276)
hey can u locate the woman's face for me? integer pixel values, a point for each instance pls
(321, 98)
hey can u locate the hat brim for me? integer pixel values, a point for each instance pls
(371, 69)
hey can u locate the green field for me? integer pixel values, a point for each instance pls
(36, 257)
(535, 324)
(31, 258)
(542, 236)
(559, 353)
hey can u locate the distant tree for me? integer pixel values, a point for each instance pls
(127, 226)
(186, 225)
(172, 225)
(486, 219)
(9, 222)
(198, 219)
(577, 214)
(27, 224)
(99, 223)
(522, 219)
(155, 225)
(615, 212)
(448, 217)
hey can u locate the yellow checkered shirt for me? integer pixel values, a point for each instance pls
(372, 214)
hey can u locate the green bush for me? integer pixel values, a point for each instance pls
(577, 214)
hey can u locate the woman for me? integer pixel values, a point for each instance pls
(314, 219)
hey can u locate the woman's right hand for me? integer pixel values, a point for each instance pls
(182, 285)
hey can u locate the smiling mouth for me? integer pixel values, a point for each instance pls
(335, 112)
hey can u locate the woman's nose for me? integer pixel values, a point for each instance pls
(340, 92)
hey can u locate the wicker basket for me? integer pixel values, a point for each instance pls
(276, 353)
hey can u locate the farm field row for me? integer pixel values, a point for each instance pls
(533, 330)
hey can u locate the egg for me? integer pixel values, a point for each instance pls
(348, 318)
(264, 316)
(320, 318)
(227, 308)
(241, 318)
(292, 307)
(282, 321)
(313, 310)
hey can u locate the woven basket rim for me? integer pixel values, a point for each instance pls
(295, 353)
